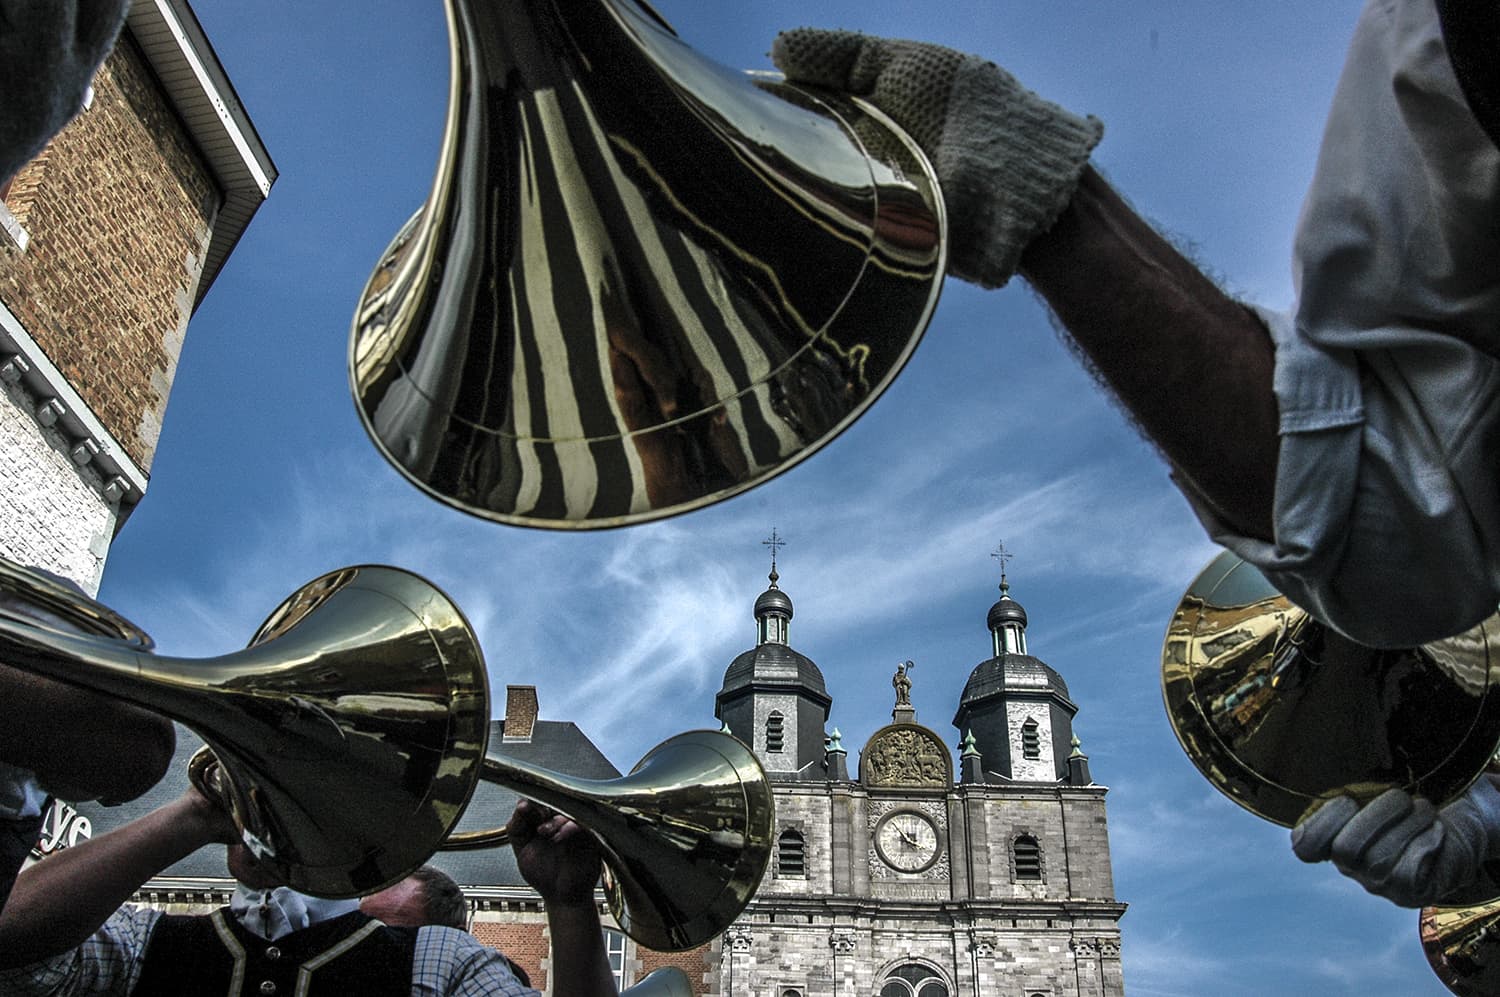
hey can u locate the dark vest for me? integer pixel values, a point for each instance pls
(212, 956)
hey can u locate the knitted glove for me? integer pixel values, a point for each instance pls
(1404, 849)
(1007, 160)
(49, 51)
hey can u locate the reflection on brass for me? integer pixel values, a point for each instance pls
(44, 596)
(1463, 946)
(1279, 712)
(686, 835)
(348, 734)
(641, 282)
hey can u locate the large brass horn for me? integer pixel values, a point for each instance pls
(641, 282)
(686, 834)
(1280, 712)
(350, 730)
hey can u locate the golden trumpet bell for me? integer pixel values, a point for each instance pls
(641, 282)
(1280, 713)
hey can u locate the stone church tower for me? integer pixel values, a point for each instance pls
(908, 879)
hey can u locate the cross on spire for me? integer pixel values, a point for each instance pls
(774, 542)
(1003, 556)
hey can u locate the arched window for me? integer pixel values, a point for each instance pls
(775, 732)
(790, 855)
(1031, 740)
(913, 980)
(1028, 858)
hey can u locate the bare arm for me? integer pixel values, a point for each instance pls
(561, 860)
(1191, 365)
(60, 901)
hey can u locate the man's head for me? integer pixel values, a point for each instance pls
(427, 896)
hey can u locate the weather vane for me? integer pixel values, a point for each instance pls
(1003, 556)
(774, 542)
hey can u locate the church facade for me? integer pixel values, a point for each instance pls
(904, 877)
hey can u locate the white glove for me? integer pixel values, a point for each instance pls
(1007, 160)
(1404, 849)
(49, 51)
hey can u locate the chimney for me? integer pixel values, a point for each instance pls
(520, 712)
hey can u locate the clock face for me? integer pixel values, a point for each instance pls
(907, 841)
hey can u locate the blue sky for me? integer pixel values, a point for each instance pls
(264, 478)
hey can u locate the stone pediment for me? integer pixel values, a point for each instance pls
(906, 755)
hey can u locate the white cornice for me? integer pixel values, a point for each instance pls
(76, 420)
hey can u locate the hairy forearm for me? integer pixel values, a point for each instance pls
(1191, 365)
(580, 965)
(60, 901)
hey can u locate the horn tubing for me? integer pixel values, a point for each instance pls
(686, 836)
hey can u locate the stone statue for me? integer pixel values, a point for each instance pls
(902, 682)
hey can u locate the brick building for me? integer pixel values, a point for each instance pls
(108, 241)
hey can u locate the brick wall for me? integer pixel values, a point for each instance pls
(525, 942)
(119, 210)
(696, 963)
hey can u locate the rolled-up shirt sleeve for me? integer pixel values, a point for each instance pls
(1387, 507)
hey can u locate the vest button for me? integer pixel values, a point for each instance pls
(273, 953)
(268, 987)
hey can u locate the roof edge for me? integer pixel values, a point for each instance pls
(194, 80)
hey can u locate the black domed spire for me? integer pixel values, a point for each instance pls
(773, 601)
(774, 698)
(1006, 611)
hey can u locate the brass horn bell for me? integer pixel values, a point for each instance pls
(641, 282)
(1462, 945)
(349, 732)
(686, 834)
(1281, 713)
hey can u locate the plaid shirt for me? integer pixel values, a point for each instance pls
(447, 963)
